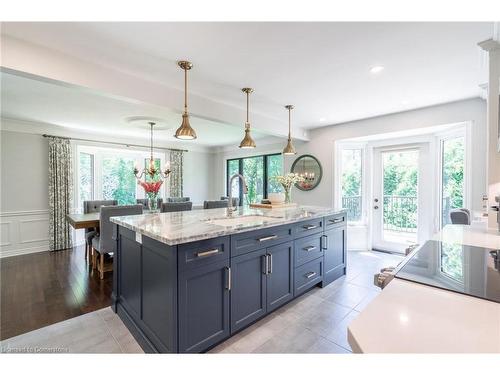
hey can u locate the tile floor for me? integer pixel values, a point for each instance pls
(313, 323)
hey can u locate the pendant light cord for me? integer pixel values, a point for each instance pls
(185, 90)
(289, 123)
(248, 94)
(152, 124)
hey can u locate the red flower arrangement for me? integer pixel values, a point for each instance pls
(151, 187)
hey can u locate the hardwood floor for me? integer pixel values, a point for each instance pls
(45, 288)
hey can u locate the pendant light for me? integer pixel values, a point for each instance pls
(289, 149)
(247, 141)
(185, 131)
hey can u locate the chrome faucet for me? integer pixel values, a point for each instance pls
(230, 207)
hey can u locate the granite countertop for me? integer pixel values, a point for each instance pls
(173, 228)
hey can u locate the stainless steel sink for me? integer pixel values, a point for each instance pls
(242, 220)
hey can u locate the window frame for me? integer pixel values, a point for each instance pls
(265, 174)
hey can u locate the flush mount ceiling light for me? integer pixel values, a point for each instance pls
(185, 131)
(247, 141)
(376, 69)
(289, 149)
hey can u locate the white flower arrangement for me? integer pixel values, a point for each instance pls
(288, 180)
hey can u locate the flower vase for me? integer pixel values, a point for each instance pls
(288, 194)
(153, 202)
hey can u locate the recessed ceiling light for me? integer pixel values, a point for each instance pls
(322, 119)
(376, 69)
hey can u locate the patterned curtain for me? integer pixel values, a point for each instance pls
(176, 166)
(60, 191)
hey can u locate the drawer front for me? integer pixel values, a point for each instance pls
(307, 275)
(307, 249)
(308, 227)
(199, 253)
(336, 220)
(244, 243)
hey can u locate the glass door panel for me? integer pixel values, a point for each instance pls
(253, 171)
(452, 176)
(118, 180)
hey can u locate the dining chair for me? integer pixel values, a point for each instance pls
(460, 216)
(236, 201)
(89, 207)
(176, 206)
(144, 202)
(215, 204)
(105, 242)
(178, 199)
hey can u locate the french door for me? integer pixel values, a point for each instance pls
(400, 204)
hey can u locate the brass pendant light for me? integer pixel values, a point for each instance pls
(247, 141)
(185, 131)
(289, 149)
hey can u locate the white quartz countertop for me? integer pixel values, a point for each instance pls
(407, 317)
(174, 228)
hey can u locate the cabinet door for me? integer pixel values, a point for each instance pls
(334, 248)
(280, 276)
(248, 289)
(203, 307)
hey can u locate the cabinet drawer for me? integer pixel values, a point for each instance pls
(199, 253)
(307, 275)
(336, 220)
(307, 248)
(249, 241)
(308, 227)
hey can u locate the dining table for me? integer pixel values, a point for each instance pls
(81, 221)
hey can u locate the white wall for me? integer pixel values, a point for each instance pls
(322, 141)
(24, 204)
(24, 184)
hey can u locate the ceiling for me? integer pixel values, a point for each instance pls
(321, 68)
(28, 99)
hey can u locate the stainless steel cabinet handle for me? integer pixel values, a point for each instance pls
(324, 242)
(338, 220)
(264, 265)
(309, 226)
(228, 278)
(310, 274)
(207, 253)
(270, 263)
(268, 238)
(309, 248)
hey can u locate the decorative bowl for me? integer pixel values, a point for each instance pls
(276, 198)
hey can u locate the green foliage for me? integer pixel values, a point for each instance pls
(253, 171)
(118, 180)
(274, 168)
(85, 174)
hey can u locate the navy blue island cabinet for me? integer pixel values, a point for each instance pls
(187, 298)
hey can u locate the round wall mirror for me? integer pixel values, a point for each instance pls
(308, 167)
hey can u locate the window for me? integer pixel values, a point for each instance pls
(452, 176)
(258, 172)
(85, 177)
(107, 173)
(352, 183)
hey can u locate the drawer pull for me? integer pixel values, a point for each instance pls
(310, 274)
(268, 238)
(335, 221)
(309, 248)
(207, 253)
(309, 226)
(324, 242)
(228, 278)
(265, 265)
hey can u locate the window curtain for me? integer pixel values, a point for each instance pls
(176, 166)
(60, 191)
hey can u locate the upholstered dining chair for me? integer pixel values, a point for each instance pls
(178, 199)
(89, 207)
(236, 201)
(215, 204)
(105, 242)
(460, 216)
(176, 206)
(144, 202)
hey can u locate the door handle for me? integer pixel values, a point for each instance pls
(268, 238)
(270, 262)
(309, 248)
(228, 278)
(264, 265)
(310, 274)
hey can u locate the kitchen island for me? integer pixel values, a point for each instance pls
(184, 282)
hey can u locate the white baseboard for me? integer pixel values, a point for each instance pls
(28, 250)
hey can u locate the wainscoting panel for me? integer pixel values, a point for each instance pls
(24, 232)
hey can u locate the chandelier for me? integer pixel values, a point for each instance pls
(151, 170)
